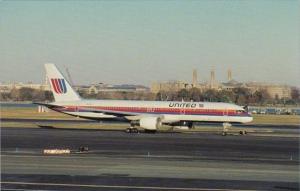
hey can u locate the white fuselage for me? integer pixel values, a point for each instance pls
(147, 114)
(167, 111)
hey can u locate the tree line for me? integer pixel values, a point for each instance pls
(26, 94)
(240, 96)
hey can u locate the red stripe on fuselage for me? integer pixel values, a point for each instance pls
(161, 110)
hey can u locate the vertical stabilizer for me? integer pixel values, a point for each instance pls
(60, 87)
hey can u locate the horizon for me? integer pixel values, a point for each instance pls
(145, 85)
(129, 42)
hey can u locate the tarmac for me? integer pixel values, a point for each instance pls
(162, 161)
(83, 121)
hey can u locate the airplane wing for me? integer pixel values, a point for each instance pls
(109, 112)
(84, 109)
(129, 115)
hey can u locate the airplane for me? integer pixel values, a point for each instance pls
(148, 115)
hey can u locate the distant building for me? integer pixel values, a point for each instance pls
(169, 86)
(195, 78)
(213, 84)
(96, 88)
(275, 91)
(279, 91)
(7, 87)
(212, 79)
(92, 89)
(229, 75)
(230, 85)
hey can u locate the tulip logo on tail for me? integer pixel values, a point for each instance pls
(59, 85)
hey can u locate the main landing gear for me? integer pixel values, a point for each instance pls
(132, 128)
(226, 127)
(243, 132)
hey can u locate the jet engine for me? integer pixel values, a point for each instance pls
(150, 123)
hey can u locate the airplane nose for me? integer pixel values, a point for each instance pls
(250, 118)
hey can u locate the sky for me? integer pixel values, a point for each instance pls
(138, 42)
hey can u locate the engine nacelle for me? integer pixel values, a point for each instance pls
(150, 123)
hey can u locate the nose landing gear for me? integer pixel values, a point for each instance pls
(226, 127)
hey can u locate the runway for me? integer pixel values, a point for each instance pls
(83, 121)
(163, 161)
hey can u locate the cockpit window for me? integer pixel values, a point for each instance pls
(240, 111)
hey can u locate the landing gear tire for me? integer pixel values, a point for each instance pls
(224, 133)
(243, 132)
(131, 130)
(128, 130)
(135, 130)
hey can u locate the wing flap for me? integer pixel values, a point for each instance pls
(108, 112)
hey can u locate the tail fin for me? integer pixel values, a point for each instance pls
(60, 87)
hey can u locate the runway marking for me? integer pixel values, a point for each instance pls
(120, 186)
(51, 165)
(8, 189)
